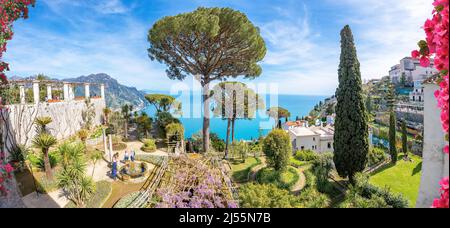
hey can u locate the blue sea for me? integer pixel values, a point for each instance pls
(298, 105)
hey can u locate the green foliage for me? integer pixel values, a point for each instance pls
(98, 132)
(277, 148)
(278, 113)
(37, 161)
(19, 153)
(162, 102)
(211, 43)
(306, 155)
(404, 139)
(282, 179)
(266, 196)
(270, 196)
(234, 100)
(149, 158)
(240, 150)
(240, 171)
(376, 156)
(351, 144)
(392, 137)
(163, 120)
(102, 191)
(217, 143)
(368, 191)
(73, 179)
(126, 201)
(321, 169)
(219, 28)
(144, 125)
(149, 145)
(42, 123)
(175, 131)
(311, 198)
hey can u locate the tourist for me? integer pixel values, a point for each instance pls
(114, 168)
(126, 157)
(132, 155)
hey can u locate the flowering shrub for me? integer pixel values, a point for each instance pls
(194, 185)
(436, 45)
(10, 10)
(5, 173)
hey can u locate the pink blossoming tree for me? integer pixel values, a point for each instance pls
(436, 45)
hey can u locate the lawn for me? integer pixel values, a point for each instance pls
(240, 169)
(402, 178)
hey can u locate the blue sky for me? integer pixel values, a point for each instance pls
(70, 38)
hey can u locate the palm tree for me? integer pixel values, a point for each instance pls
(95, 157)
(42, 123)
(44, 141)
(83, 134)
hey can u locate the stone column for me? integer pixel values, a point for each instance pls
(22, 94)
(87, 93)
(66, 91)
(36, 92)
(71, 92)
(102, 91)
(49, 92)
(435, 164)
(111, 151)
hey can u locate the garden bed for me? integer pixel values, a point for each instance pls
(285, 179)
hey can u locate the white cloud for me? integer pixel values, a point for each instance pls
(385, 31)
(111, 7)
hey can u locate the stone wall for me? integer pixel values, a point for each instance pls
(67, 116)
(435, 164)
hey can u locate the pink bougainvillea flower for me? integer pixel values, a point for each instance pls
(415, 54)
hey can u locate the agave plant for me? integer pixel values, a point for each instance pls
(44, 141)
(42, 123)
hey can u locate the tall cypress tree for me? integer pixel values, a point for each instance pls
(351, 144)
(392, 125)
(404, 139)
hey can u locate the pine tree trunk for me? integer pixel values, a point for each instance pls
(47, 165)
(232, 129)
(228, 139)
(126, 129)
(206, 116)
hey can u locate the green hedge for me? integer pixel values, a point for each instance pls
(305, 155)
(149, 145)
(369, 191)
(125, 201)
(270, 176)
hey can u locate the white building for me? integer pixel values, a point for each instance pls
(318, 139)
(417, 94)
(412, 70)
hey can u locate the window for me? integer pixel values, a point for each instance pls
(329, 145)
(302, 148)
(314, 139)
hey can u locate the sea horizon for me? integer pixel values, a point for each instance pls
(297, 105)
